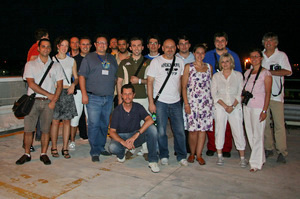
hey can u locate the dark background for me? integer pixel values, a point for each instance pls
(245, 21)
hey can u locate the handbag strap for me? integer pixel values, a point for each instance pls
(44, 76)
(62, 69)
(165, 82)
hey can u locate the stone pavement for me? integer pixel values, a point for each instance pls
(78, 177)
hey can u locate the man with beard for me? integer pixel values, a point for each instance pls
(212, 57)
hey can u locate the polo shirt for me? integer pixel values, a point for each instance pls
(128, 68)
(127, 122)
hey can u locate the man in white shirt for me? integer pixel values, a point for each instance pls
(278, 64)
(168, 104)
(45, 99)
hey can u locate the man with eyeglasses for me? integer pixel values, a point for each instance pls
(212, 57)
(97, 76)
(168, 104)
(279, 66)
(153, 44)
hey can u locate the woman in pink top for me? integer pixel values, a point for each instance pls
(256, 98)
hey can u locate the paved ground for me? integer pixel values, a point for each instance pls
(78, 177)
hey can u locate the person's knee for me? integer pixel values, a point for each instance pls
(113, 148)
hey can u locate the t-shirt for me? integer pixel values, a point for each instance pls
(281, 59)
(128, 68)
(158, 69)
(100, 78)
(67, 65)
(33, 51)
(127, 122)
(259, 92)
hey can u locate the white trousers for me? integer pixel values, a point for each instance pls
(235, 119)
(79, 107)
(255, 133)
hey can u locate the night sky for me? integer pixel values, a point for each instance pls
(245, 21)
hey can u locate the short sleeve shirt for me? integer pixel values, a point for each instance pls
(100, 79)
(36, 69)
(158, 69)
(128, 68)
(126, 122)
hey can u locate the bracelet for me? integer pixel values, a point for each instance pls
(264, 111)
(186, 105)
(139, 133)
(140, 81)
(233, 106)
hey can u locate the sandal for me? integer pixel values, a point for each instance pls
(65, 153)
(201, 161)
(54, 153)
(191, 159)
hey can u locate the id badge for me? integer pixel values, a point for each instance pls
(105, 72)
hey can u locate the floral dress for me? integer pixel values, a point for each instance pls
(200, 100)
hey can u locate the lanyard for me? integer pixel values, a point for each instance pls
(105, 64)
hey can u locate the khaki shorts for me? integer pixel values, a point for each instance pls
(40, 110)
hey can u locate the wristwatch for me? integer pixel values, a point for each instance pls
(140, 81)
(139, 133)
(264, 111)
(233, 106)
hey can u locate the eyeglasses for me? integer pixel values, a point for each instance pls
(254, 57)
(153, 43)
(101, 43)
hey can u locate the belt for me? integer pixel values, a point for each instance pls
(41, 98)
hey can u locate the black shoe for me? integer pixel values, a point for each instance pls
(32, 149)
(45, 159)
(95, 159)
(105, 153)
(226, 154)
(210, 153)
(23, 159)
(281, 158)
(269, 153)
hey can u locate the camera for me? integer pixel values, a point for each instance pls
(247, 96)
(275, 67)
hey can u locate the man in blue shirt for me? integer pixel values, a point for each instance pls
(212, 57)
(97, 76)
(126, 131)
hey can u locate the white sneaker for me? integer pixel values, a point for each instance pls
(220, 161)
(243, 163)
(140, 153)
(183, 162)
(164, 161)
(154, 167)
(121, 160)
(72, 146)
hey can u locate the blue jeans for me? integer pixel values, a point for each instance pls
(174, 112)
(99, 109)
(149, 136)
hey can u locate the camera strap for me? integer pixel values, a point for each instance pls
(280, 89)
(256, 77)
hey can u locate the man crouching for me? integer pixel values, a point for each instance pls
(126, 131)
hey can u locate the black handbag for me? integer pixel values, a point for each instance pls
(24, 104)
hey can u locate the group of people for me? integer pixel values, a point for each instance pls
(125, 93)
